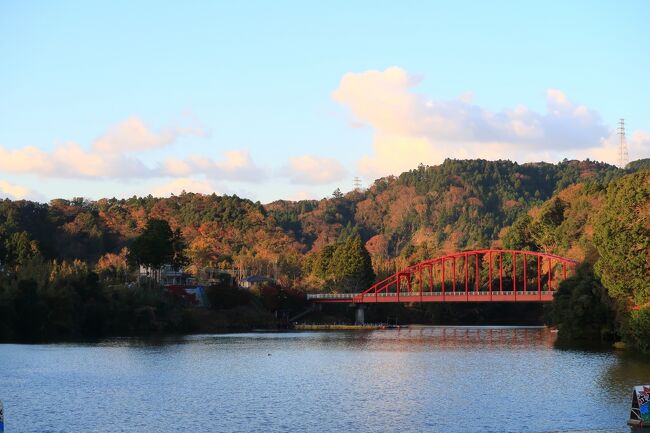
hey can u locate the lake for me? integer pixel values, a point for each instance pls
(446, 379)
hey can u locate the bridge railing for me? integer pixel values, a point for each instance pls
(331, 295)
(472, 272)
(317, 296)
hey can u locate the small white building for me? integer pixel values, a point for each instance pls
(167, 275)
(248, 282)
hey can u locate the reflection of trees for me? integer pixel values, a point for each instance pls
(427, 338)
(628, 370)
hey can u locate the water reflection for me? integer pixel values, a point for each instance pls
(465, 337)
(619, 377)
(417, 379)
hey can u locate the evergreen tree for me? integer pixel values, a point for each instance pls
(157, 246)
(543, 230)
(519, 236)
(322, 264)
(622, 237)
(18, 248)
(582, 309)
(351, 266)
(636, 329)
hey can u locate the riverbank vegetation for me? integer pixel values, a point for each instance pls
(608, 230)
(68, 266)
(48, 301)
(51, 300)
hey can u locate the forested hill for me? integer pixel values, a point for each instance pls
(431, 210)
(458, 204)
(66, 266)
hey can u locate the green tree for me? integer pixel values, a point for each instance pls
(157, 245)
(636, 329)
(18, 248)
(639, 164)
(322, 263)
(581, 309)
(622, 237)
(519, 236)
(543, 229)
(351, 266)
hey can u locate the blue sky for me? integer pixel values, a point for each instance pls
(274, 100)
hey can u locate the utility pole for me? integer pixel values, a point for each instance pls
(622, 146)
(357, 183)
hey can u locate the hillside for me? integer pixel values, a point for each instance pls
(423, 212)
(67, 264)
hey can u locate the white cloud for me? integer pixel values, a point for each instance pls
(398, 153)
(17, 192)
(133, 135)
(26, 160)
(108, 157)
(186, 184)
(70, 160)
(117, 155)
(411, 128)
(312, 170)
(638, 144)
(380, 99)
(236, 165)
(303, 195)
(176, 167)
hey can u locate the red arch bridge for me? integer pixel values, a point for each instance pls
(468, 276)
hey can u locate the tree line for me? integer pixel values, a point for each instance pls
(346, 241)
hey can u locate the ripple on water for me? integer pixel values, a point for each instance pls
(448, 379)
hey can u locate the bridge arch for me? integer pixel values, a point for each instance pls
(484, 275)
(489, 275)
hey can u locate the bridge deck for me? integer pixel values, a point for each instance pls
(408, 297)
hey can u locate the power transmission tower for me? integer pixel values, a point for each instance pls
(357, 183)
(623, 157)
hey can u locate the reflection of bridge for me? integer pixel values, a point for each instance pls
(469, 276)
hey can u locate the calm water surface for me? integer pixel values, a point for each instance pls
(419, 379)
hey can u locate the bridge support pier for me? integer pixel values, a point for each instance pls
(359, 315)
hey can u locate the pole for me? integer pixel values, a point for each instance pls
(539, 279)
(442, 276)
(490, 273)
(477, 273)
(525, 283)
(453, 281)
(421, 288)
(501, 273)
(466, 275)
(399, 277)
(550, 287)
(514, 273)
